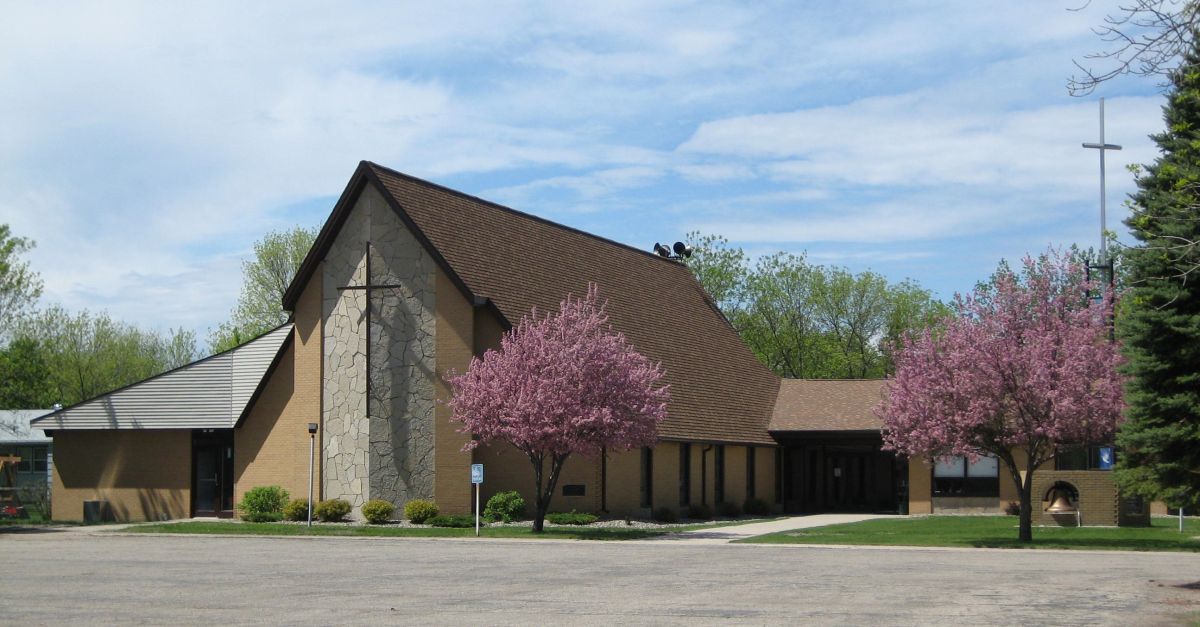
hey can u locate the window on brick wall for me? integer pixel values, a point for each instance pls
(1086, 458)
(959, 476)
(778, 475)
(647, 499)
(685, 474)
(750, 472)
(719, 475)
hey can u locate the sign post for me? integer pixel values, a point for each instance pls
(477, 480)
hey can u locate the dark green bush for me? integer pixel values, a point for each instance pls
(729, 510)
(263, 504)
(571, 518)
(665, 515)
(333, 510)
(296, 509)
(420, 510)
(699, 511)
(1013, 508)
(756, 507)
(459, 521)
(378, 511)
(505, 507)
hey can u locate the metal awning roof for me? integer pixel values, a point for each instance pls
(208, 394)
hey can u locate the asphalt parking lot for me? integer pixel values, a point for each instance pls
(94, 578)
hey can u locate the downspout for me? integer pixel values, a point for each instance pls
(704, 474)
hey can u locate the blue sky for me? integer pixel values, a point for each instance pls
(147, 146)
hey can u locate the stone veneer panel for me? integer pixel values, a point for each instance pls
(387, 454)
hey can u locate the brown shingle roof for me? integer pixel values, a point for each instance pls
(828, 405)
(720, 391)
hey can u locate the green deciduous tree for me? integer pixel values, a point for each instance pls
(809, 321)
(277, 257)
(20, 287)
(1160, 322)
(25, 376)
(90, 354)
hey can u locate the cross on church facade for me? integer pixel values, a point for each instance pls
(368, 288)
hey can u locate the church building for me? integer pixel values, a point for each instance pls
(408, 280)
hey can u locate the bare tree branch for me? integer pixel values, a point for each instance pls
(1146, 37)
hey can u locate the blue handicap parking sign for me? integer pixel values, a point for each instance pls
(1106, 458)
(476, 473)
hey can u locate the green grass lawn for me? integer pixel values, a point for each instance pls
(994, 532)
(558, 532)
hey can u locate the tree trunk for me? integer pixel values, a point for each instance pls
(538, 508)
(542, 500)
(1025, 492)
(1025, 534)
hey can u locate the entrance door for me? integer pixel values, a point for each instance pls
(212, 473)
(840, 476)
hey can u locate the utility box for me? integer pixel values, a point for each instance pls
(96, 512)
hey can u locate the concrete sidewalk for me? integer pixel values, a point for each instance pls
(725, 535)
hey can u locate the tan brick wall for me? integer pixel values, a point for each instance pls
(272, 445)
(487, 331)
(735, 474)
(144, 475)
(764, 474)
(920, 486)
(1098, 504)
(666, 475)
(505, 468)
(625, 483)
(454, 341)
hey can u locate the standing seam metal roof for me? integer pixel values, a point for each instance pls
(211, 393)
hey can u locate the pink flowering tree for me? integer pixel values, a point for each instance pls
(560, 385)
(1026, 368)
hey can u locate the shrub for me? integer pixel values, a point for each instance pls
(571, 518)
(729, 510)
(698, 511)
(378, 511)
(665, 515)
(420, 510)
(459, 521)
(296, 509)
(505, 507)
(1013, 508)
(756, 507)
(333, 510)
(263, 504)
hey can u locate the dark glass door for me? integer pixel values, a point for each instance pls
(212, 473)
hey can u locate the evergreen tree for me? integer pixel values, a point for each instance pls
(1160, 319)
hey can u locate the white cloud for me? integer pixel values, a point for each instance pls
(146, 145)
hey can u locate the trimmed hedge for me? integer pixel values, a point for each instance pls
(378, 511)
(729, 510)
(505, 507)
(263, 504)
(698, 511)
(458, 521)
(333, 510)
(665, 515)
(756, 507)
(420, 510)
(296, 510)
(571, 518)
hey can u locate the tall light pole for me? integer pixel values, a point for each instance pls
(312, 445)
(1102, 147)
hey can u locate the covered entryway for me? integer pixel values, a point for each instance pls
(212, 473)
(841, 472)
